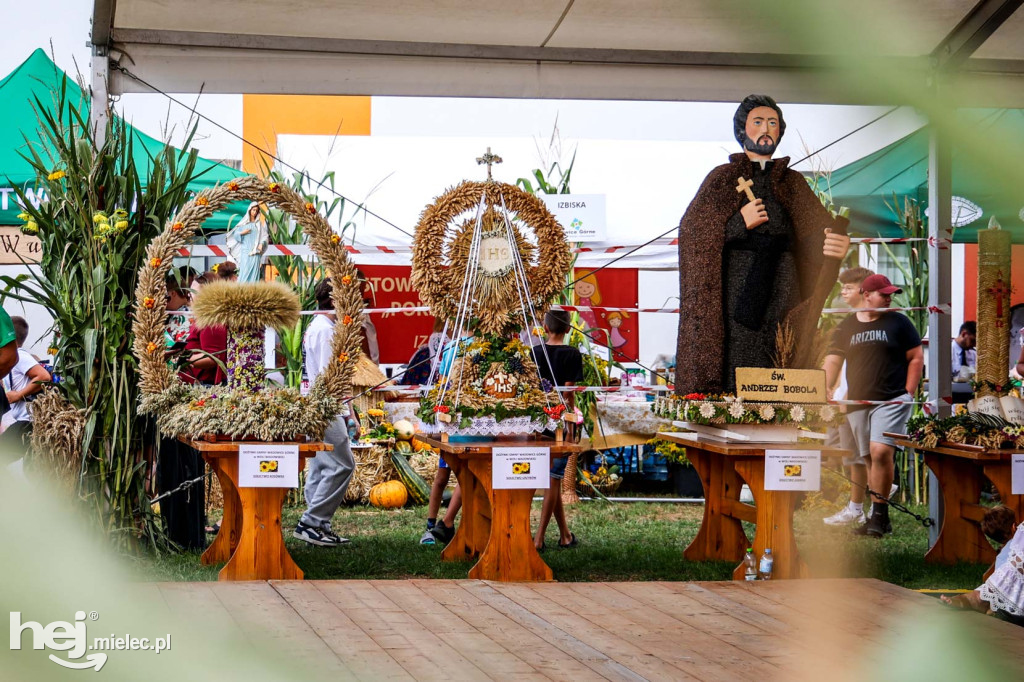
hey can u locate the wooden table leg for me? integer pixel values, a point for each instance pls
(720, 536)
(510, 555)
(222, 547)
(999, 474)
(774, 523)
(960, 538)
(261, 553)
(473, 530)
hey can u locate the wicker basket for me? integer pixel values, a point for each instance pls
(586, 488)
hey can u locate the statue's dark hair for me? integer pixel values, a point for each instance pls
(751, 102)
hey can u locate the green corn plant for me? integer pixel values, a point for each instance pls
(99, 215)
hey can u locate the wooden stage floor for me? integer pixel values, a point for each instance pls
(473, 630)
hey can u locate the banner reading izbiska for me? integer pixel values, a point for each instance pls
(781, 385)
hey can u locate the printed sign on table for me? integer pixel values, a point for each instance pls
(792, 470)
(268, 466)
(1017, 474)
(582, 216)
(517, 468)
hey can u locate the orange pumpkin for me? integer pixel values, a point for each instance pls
(389, 495)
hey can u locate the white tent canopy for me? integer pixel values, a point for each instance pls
(690, 50)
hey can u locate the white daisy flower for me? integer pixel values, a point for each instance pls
(707, 410)
(736, 410)
(797, 413)
(767, 413)
(828, 413)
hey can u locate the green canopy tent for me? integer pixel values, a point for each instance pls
(38, 78)
(980, 187)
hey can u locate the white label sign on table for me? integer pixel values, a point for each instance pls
(792, 470)
(1017, 474)
(268, 466)
(520, 468)
(582, 216)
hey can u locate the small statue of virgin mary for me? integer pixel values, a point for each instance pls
(246, 242)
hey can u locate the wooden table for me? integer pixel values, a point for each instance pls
(960, 473)
(723, 468)
(495, 527)
(250, 539)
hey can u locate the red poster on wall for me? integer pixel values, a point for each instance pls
(400, 334)
(614, 288)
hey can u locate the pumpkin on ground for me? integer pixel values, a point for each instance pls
(389, 495)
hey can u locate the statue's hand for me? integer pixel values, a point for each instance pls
(245, 232)
(754, 214)
(836, 245)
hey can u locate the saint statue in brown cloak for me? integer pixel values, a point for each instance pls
(752, 245)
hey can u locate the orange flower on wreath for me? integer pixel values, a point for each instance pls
(148, 302)
(310, 207)
(178, 227)
(347, 320)
(203, 201)
(343, 357)
(347, 279)
(274, 187)
(151, 348)
(233, 186)
(335, 239)
(155, 262)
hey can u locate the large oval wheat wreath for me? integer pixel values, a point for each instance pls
(161, 389)
(436, 238)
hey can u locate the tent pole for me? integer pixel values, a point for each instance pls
(940, 232)
(99, 112)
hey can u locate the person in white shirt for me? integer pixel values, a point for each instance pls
(965, 355)
(25, 380)
(330, 471)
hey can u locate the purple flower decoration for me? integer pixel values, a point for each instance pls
(546, 385)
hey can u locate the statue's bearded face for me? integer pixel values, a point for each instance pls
(762, 131)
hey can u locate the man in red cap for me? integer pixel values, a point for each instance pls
(884, 363)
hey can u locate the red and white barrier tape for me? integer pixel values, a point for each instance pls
(304, 250)
(941, 309)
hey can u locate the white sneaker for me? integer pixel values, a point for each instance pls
(845, 517)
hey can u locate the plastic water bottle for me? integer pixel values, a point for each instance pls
(749, 565)
(767, 561)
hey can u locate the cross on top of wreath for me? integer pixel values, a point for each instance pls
(488, 159)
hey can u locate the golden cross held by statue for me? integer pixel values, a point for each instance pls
(489, 159)
(744, 186)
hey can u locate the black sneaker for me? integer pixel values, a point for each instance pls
(337, 539)
(314, 536)
(875, 527)
(442, 534)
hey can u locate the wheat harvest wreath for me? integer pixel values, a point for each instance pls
(246, 407)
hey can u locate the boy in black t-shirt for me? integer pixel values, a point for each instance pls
(564, 369)
(884, 362)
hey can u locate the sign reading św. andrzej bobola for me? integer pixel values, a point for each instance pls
(17, 248)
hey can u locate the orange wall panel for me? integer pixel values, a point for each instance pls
(971, 278)
(264, 117)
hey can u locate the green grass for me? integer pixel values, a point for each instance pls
(635, 541)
